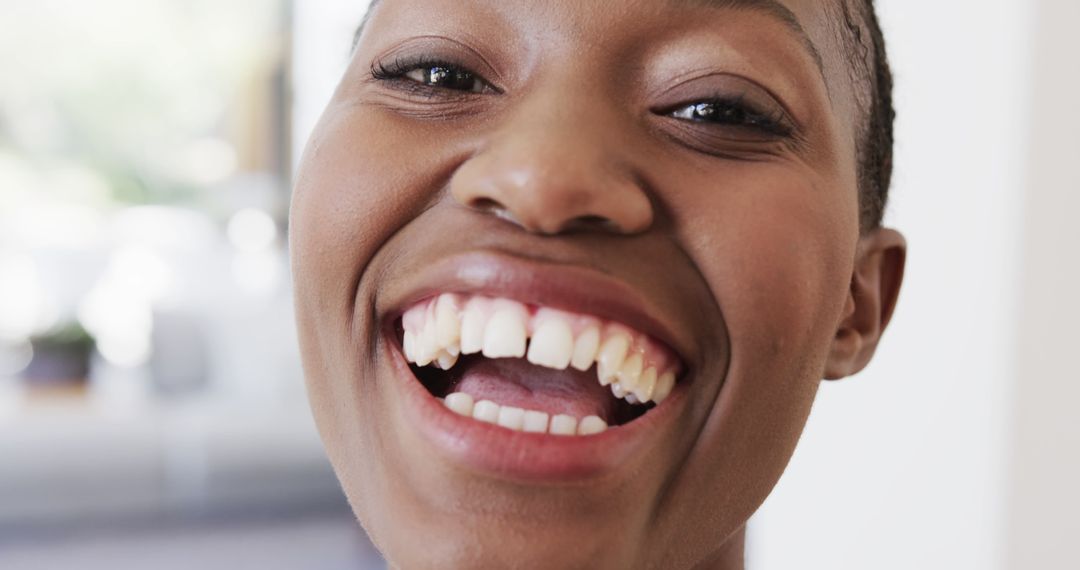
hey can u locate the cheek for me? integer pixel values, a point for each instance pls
(362, 178)
(352, 193)
(776, 249)
(349, 196)
(359, 183)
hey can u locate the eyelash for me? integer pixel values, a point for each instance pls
(736, 110)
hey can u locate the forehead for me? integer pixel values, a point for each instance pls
(775, 9)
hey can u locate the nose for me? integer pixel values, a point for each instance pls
(557, 164)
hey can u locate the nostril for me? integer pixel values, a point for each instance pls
(593, 222)
(486, 204)
(495, 208)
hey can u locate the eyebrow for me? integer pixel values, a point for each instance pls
(777, 11)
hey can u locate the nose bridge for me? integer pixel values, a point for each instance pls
(569, 126)
(557, 160)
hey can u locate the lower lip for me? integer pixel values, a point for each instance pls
(500, 452)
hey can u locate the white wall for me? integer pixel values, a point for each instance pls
(1045, 467)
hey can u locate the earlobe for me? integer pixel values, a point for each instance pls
(875, 287)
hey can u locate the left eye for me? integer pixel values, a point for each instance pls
(724, 113)
(446, 77)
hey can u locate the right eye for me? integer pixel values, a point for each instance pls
(446, 77)
(430, 75)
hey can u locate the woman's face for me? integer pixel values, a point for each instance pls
(679, 171)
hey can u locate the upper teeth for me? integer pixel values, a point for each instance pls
(439, 330)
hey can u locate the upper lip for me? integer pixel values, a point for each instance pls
(557, 285)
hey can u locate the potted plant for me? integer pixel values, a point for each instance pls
(61, 358)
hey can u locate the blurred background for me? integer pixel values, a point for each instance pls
(152, 412)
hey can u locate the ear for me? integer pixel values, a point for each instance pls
(875, 286)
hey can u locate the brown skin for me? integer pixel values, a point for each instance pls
(749, 242)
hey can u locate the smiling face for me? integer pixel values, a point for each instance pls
(549, 199)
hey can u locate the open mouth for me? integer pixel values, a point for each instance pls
(534, 369)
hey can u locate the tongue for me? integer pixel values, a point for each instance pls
(516, 382)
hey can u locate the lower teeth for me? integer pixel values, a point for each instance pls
(445, 385)
(518, 419)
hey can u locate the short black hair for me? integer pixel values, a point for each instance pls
(864, 42)
(871, 76)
